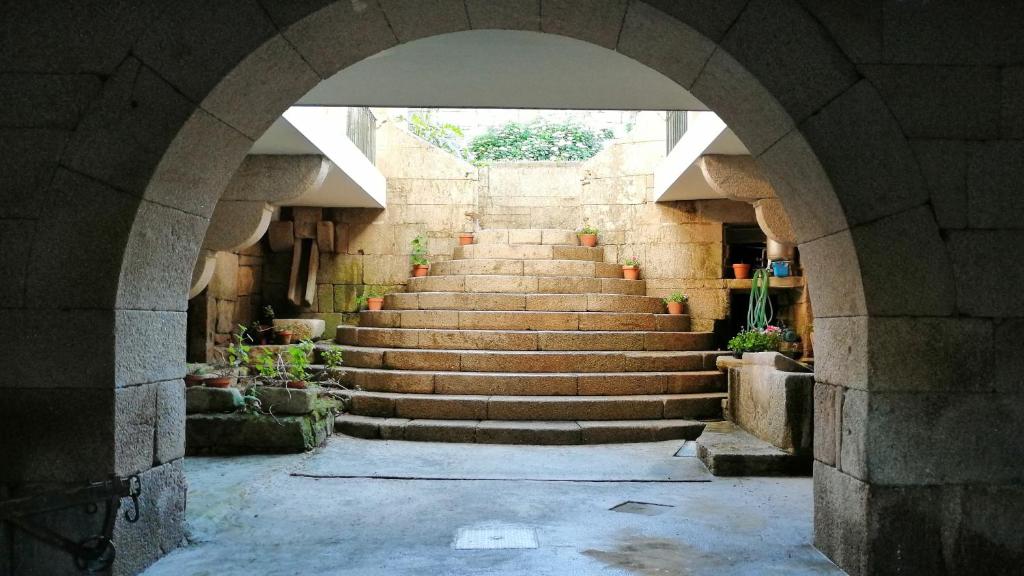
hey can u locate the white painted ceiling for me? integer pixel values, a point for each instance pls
(501, 69)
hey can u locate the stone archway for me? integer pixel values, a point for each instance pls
(135, 184)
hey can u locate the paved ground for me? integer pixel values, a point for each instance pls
(254, 515)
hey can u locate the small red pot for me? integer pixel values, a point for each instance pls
(465, 239)
(219, 382)
(741, 271)
(285, 337)
(420, 270)
(374, 304)
(297, 384)
(631, 272)
(675, 307)
(588, 240)
(193, 380)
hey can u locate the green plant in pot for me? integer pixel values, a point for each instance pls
(284, 334)
(195, 374)
(756, 340)
(372, 299)
(227, 373)
(631, 269)
(676, 303)
(420, 262)
(587, 235)
(298, 365)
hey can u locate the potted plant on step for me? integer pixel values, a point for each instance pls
(466, 238)
(298, 365)
(227, 373)
(741, 270)
(587, 235)
(756, 340)
(284, 334)
(196, 374)
(676, 303)
(372, 299)
(631, 269)
(420, 263)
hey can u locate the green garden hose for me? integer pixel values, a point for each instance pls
(759, 311)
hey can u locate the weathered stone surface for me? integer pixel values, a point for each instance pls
(412, 19)
(441, 407)
(255, 434)
(285, 401)
(556, 302)
(169, 440)
(599, 23)
(774, 406)
(161, 525)
(840, 518)
(993, 176)
(984, 285)
(534, 433)
(827, 412)
(506, 384)
(422, 360)
(504, 14)
(621, 384)
(590, 341)
(944, 167)
(581, 408)
(199, 400)
(729, 451)
(441, 430)
(665, 44)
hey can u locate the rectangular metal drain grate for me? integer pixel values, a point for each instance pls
(642, 508)
(495, 538)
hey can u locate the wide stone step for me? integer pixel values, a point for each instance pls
(527, 252)
(527, 284)
(530, 384)
(544, 361)
(516, 432)
(524, 320)
(479, 407)
(526, 236)
(524, 339)
(520, 267)
(533, 302)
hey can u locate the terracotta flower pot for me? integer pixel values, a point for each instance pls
(420, 270)
(219, 382)
(741, 270)
(465, 239)
(285, 337)
(297, 384)
(631, 272)
(374, 304)
(588, 240)
(675, 307)
(193, 380)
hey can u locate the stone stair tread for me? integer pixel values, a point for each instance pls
(525, 320)
(525, 340)
(514, 301)
(528, 252)
(552, 432)
(728, 450)
(527, 267)
(532, 284)
(527, 408)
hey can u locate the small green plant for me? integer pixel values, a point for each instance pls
(632, 262)
(268, 312)
(238, 350)
(197, 369)
(587, 229)
(677, 297)
(444, 135)
(369, 292)
(332, 356)
(266, 365)
(251, 403)
(755, 340)
(298, 360)
(419, 251)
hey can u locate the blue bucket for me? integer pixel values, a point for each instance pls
(780, 268)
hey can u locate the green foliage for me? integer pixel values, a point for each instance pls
(197, 369)
(238, 350)
(298, 359)
(266, 365)
(268, 312)
(369, 292)
(419, 251)
(632, 261)
(332, 356)
(677, 297)
(587, 229)
(251, 403)
(443, 135)
(539, 140)
(755, 340)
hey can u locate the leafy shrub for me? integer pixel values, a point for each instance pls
(419, 251)
(539, 140)
(755, 340)
(333, 356)
(677, 297)
(443, 135)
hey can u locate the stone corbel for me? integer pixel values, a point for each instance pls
(739, 178)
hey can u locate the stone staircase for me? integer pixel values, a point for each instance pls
(526, 337)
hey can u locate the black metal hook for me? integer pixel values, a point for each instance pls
(134, 489)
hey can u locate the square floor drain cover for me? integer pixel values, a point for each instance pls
(642, 508)
(495, 538)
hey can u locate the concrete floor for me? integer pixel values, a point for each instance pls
(276, 515)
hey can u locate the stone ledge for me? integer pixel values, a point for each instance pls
(727, 450)
(201, 400)
(224, 434)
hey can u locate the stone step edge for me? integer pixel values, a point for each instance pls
(393, 301)
(547, 432)
(522, 340)
(704, 373)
